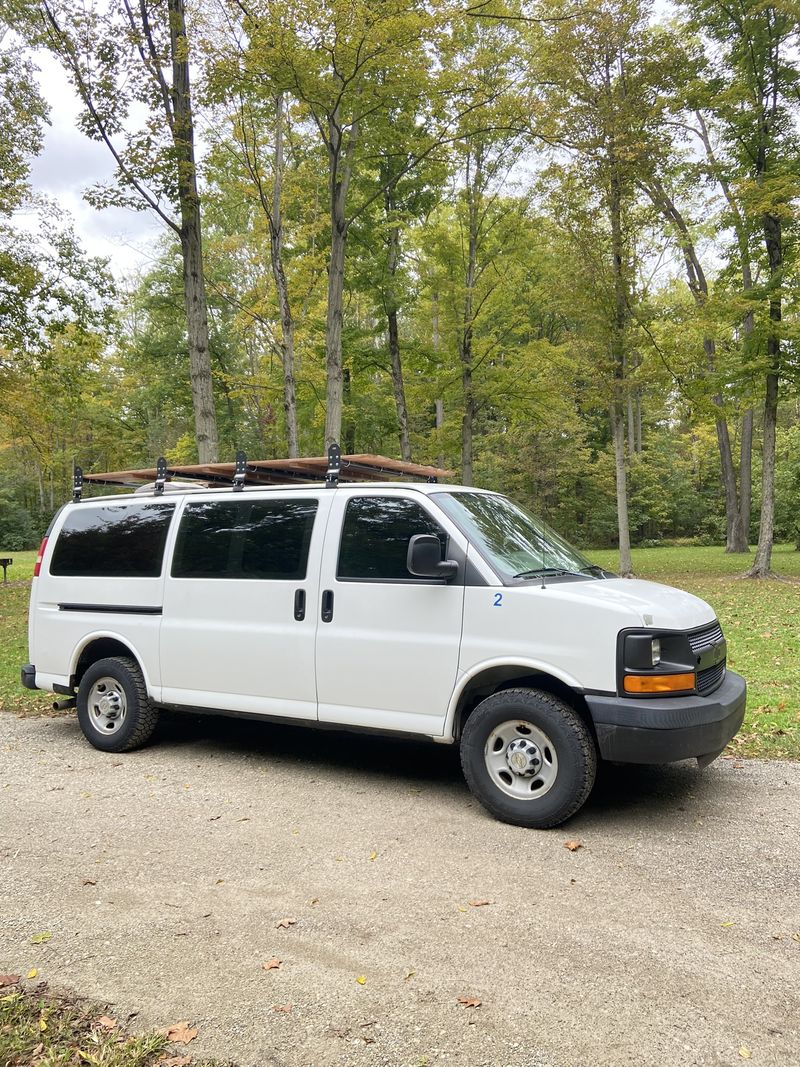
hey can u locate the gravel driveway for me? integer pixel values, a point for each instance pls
(672, 936)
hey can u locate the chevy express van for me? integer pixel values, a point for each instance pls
(424, 609)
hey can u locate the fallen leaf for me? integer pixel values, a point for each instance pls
(282, 1007)
(469, 1002)
(272, 965)
(725, 925)
(367, 1039)
(8, 979)
(284, 924)
(373, 855)
(88, 881)
(314, 900)
(480, 903)
(181, 1033)
(745, 1052)
(176, 1061)
(408, 974)
(573, 846)
(106, 1022)
(42, 1025)
(32, 973)
(362, 979)
(795, 937)
(39, 939)
(220, 881)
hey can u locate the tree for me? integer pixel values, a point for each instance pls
(753, 94)
(596, 71)
(120, 59)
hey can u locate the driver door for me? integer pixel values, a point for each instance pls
(387, 641)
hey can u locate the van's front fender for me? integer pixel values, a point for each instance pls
(509, 667)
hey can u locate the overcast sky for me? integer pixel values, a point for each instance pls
(69, 163)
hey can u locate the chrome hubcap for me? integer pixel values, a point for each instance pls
(107, 705)
(521, 760)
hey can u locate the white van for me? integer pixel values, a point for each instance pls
(421, 609)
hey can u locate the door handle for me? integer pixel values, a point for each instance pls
(327, 605)
(300, 604)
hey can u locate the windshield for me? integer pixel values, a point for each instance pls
(511, 540)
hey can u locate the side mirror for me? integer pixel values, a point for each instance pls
(424, 558)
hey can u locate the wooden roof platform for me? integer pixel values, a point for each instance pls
(362, 467)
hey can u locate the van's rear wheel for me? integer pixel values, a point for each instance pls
(114, 710)
(528, 757)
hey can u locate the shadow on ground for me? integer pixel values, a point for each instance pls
(620, 790)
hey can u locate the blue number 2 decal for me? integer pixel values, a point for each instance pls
(498, 600)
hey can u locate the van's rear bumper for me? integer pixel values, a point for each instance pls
(637, 730)
(28, 676)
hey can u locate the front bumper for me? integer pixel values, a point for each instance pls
(636, 730)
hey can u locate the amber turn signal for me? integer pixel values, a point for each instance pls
(659, 683)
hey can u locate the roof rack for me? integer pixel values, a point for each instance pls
(332, 469)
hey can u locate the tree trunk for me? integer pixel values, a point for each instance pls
(205, 418)
(734, 533)
(746, 476)
(773, 239)
(438, 422)
(398, 385)
(473, 186)
(618, 437)
(340, 164)
(281, 286)
(618, 364)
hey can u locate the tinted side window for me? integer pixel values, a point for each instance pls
(375, 537)
(244, 539)
(113, 541)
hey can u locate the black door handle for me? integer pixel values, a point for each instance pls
(327, 605)
(300, 604)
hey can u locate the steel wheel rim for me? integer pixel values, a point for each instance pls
(521, 760)
(107, 706)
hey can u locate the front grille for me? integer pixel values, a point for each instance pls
(709, 679)
(702, 640)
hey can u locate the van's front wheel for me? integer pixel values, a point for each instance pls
(528, 757)
(114, 710)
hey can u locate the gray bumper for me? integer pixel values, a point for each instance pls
(631, 730)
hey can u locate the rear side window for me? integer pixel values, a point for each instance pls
(112, 541)
(375, 538)
(267, 539)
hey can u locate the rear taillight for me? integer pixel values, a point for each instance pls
(40, 556)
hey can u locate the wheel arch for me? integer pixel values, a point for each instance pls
(102, 645)
(490, 678)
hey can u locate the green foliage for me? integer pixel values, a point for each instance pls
(17, 530)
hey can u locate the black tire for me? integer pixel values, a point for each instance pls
(553, 742)
(119, 679)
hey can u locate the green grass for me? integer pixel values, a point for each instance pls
(14, 599)
(761, 621)
(38, 1027)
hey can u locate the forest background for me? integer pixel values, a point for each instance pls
(553, 246)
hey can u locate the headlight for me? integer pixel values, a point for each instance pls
(649, 665)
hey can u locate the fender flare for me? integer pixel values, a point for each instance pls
(527, 666)
(97, 635)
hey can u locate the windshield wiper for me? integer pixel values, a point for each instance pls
(539, 571)
(593, 569)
